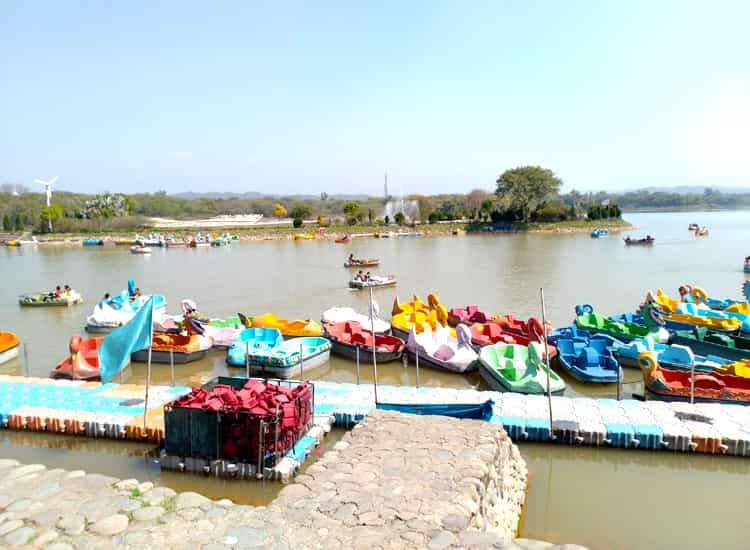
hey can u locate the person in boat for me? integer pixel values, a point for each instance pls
(57, 293)
(67, 290)
(367, 277)
(359, 276)
(351, 258)
(649, 237)
(135, 295)
(106, 300)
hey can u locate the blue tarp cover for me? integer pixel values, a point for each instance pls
(480, 411)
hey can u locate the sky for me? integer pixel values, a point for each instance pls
(305, 97)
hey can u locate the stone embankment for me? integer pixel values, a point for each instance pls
(394, 481)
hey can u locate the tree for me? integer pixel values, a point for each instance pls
(351, 211)
(279, 211)
(399, 218)
(486, 207)
(301, 210)
(433, 217)
(323, 196)
(18, 226)
(387, 220)
(370, 215)
(424, 205)
(7, 224)
(50, 214)
(297, 222)
(525, 187)
(474, 201)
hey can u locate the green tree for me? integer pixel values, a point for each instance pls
(399, 218)
(433, 217)
(50, 214)
(486, 206)
(18, 226)
(474, 201)
(301, 210)
(7, 224)
(297, 222)
(525, 187)
(351, 211)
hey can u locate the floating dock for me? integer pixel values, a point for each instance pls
(627, 424)
(115, 411)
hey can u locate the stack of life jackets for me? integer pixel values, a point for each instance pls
(283, 410)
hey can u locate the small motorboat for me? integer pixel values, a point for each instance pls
(701, 232)
(199, 242)
(344, 314)
(346, 239)
(647, 240)
(693, 226)
(485, 334)
(92, 242)
(746, 266)
(361, 262)
(675, 385)
(347, 337)
(174, 242)
(599, 232)
(521, 369)
(9, 346)
(590, 360)
(265, 353)
(46, 299)
(440, 349)
(467, 315)
(83, 361)
(288, 329)
(374, 281)
(140, 249)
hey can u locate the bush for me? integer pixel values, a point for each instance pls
(297, 222)
(399, 218)
(550, 212)
(433, 217)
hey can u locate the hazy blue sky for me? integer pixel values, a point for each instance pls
(325, 96)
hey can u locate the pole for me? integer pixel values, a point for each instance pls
(301, 363)
(692, 381)
(357, 348)
(247, 360)
(374, 359)
(148, 382)
(546, 358)
(261, 442)
(171, 364)
(619, 381)
(26, 359)
(416, 358)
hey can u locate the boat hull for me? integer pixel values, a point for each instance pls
(100, 329)
(709, 348)
(362, 285)
(159, 356)
(497, 384)
(426, 360)
(365, 354)
(9, 354)
(363, 264)
(311, 362)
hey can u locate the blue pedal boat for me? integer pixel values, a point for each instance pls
(589, 359)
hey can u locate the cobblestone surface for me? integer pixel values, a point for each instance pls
(394, 481)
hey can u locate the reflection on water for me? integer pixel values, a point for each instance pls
(126, 459)
(500, 273)
(617, 499)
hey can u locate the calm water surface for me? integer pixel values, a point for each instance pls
(576, 495)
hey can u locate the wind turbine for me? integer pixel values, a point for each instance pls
(48, 190)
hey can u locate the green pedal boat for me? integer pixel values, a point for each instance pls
(511, 367)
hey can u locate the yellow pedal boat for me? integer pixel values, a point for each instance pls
(295, 327)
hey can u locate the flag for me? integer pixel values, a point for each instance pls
(118, 345)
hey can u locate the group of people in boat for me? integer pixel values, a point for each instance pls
(360, 276)
(107, 299)
(66, 290)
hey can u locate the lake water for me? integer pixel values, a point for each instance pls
(602, 498)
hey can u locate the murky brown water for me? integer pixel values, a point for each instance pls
(602, 498)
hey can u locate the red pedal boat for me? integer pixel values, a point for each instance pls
(346, 337)
(485, 334)
(467, 315)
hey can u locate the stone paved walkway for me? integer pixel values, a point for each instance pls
(395, 481)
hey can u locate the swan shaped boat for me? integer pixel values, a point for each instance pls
(510, 367)
(9, 346)
(438, 348)
(83, 361)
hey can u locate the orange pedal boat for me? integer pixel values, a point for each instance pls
(83, 361)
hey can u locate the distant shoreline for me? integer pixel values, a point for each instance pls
(267, 232)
